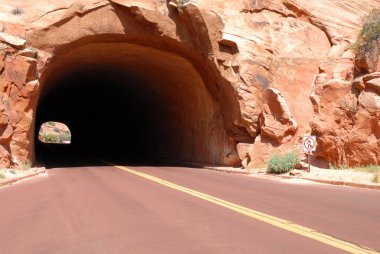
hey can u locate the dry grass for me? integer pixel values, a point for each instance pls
(369, 168)
(375, 169)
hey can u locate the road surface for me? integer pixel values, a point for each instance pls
(106, 210)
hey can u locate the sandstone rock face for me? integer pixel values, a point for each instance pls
(19, 86)
(277, 121)
(348, 125)
(12, 40)
(264, 69)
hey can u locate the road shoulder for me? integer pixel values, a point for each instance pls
(27, 174)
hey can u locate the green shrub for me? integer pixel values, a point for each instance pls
(279, 164)
(51, 138)
(65, 137)
(369, 34)
(51, 123)
(276, 165)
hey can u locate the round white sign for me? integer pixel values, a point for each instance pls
(309, 144)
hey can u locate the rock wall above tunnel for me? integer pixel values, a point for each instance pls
(242, 50)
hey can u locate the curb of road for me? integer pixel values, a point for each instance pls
(17, 179)
(336, 183)
(232, 171)
(345, 184)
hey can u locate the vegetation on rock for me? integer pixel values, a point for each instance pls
(65, 137)
(56, 138)
(181, 3)
(369, 34)
(17, 11)
(51, 138)
(349, 105)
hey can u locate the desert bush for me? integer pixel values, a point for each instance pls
(181, 3)
(51, 138)
(369, 34)
(26, 165)
(65, 137)
(280, 164)
(276, 165)
(82, 7)
(17, 11)
(349, 105)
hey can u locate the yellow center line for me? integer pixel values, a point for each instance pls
(274, 221)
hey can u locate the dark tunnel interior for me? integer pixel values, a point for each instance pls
(143, 106)
(107, 120)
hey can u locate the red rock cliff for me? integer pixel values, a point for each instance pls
(264, 72)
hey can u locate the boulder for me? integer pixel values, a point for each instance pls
(13, 41)
(373, 84)
(277, 122)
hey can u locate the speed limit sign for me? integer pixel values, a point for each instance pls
(309, 144)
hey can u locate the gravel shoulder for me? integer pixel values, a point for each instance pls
(341, 175)
(303, 177)
(8, 176)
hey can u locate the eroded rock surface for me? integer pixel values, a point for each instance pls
(277, 122)
(348, 125)
(270, 67)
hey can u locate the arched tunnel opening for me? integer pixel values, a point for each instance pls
(130, 103)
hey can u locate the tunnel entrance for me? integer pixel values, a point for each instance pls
(130, 103)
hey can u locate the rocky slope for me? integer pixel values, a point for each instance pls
(276, 68)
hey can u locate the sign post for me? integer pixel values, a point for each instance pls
(309, 144)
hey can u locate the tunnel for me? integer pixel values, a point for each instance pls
(130, 103)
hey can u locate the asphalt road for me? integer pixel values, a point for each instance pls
(106, 210)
